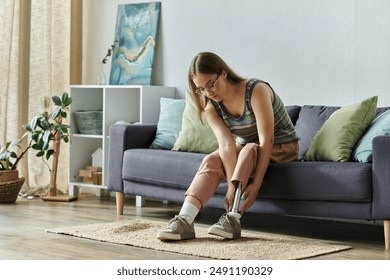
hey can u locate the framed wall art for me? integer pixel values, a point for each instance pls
(134, 45)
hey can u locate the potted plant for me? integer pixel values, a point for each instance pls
(42, 130)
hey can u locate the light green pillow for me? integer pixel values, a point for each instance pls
(169, 123)
(380, 126)
(340, 133)
(195, 136)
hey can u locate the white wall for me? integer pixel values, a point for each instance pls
(331, 52)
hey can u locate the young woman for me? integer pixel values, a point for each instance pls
(252, 128)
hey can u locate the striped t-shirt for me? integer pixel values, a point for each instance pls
(244, 127)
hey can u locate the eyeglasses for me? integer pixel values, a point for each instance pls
(210, 87)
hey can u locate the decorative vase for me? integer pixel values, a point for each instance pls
(101, 78)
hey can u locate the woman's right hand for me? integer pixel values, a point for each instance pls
(229, 198)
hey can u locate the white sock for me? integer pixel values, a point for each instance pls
(189, 211)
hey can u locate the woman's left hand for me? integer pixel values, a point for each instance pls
(250, 195)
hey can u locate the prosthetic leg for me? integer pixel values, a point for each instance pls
(236, 203)
(229, 225)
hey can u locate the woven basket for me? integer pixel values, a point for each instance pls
(89, 122)
(9, 190)
(8, 175)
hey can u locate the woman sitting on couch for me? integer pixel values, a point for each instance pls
(252, 128)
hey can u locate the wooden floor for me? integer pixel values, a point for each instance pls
(23, 225)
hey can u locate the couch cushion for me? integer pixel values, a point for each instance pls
(318, 181)
(310, 120)
(194, 135)
(380, 126)
(169, 123)
(381, 110)
(341, 132)
(293, 112)
(330, 181)
(171, 169)
(161, 167)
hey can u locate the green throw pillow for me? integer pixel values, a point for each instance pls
(340, 133)
(195, 136)
(380, 126)
(169, 123)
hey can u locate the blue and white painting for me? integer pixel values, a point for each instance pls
(135, 41)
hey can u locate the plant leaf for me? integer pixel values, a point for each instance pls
(64, 129)
(33, 123)
(36, 147)
(56, 113)
(39, 154)
(45, 124)
(27, 127)
(64, 98)
(46, 139)
(56, 100)
(49, 153)
(14, 143)
(35, 136)
(68, 102)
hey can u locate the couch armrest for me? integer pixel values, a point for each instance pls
(381, 177)
(122, 138)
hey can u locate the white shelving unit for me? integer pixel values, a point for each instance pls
(133, 104)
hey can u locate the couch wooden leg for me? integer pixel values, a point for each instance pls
(386, 226)
(120, 199)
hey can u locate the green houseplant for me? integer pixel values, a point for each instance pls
(42, 131)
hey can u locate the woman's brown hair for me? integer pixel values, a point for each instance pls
(208, 63)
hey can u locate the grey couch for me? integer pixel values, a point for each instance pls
(350, 190)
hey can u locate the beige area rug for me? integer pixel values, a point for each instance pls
(251, 246)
